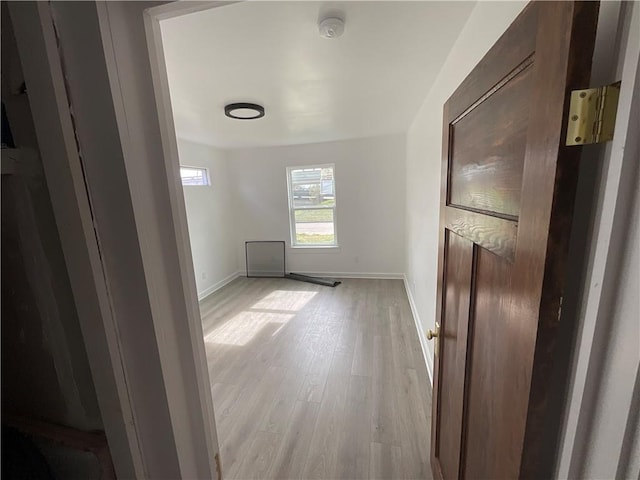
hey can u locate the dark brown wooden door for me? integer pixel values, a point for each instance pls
(508, 187)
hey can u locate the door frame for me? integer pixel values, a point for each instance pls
(68, 190)
(598, 260)
(187, 434)
(151, 14)
(48, 99)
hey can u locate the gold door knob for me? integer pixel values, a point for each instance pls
(431, 334)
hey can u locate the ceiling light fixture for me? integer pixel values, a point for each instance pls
(331, 27)
(244, 111)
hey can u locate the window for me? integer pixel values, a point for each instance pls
(194, 176)
(312, 206)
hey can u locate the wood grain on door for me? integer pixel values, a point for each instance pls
(508, 187)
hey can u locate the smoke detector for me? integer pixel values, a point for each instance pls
(331, 27)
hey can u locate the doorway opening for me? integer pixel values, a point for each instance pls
(272, 119)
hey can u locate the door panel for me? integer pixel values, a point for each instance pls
(489, 390)
(496, 234)
(488, 148)
(508, 186)
(453, 346)
(514, 46)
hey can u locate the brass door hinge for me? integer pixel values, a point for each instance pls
(592, 115)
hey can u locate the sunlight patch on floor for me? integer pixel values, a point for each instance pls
(290, 300)
(276, 308)
(242, 328)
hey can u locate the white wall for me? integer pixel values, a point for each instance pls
(370, 178)
(487, 22)
(210, 217)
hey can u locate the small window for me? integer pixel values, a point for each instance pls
(312, 206)
(194, 176)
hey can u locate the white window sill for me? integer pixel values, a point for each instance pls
(315, 248)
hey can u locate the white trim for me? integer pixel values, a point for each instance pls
(218, 285)
(180, 8)
(300, 250)
(373, 276)
(423, 340)
(206, 417)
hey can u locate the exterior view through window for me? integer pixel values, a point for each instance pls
(312, 206)
(194, 176)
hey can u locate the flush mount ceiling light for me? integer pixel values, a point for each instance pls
(244, 111)
(331, 27)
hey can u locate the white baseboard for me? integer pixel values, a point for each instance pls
(379, 276)
(217, 286)
(373, 276)
(421, 337)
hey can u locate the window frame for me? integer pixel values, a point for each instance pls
(293, 209)
(206, 172)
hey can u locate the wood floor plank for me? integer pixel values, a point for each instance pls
(290, 460)
(411, 416)
(260, 456)
(312, 388)
(276, 418)
(322, 456)
(347, 339)
(227, 398)
(383, 415)
(281, 351)
(401, 346)
(386, 462)
(341, 363)
(227, 302)
(354, 448)
(221, 391)
(238, 430)
(363, 354)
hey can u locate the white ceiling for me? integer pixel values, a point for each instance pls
(371, 81)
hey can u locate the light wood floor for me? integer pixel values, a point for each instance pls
(317, 382)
